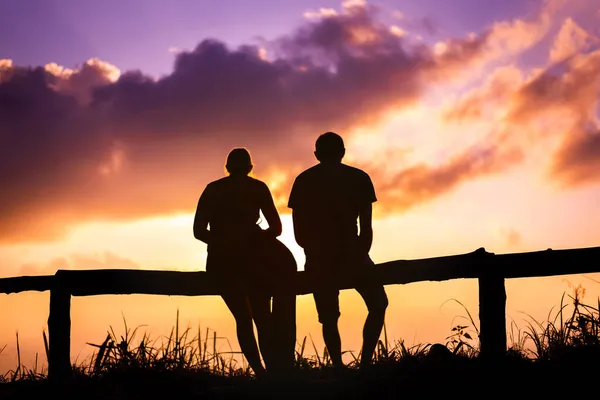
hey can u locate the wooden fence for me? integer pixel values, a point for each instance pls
(490, 269)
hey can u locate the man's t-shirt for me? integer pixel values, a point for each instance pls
(330, 196)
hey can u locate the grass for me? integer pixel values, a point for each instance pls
(133, 364)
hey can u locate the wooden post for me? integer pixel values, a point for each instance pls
(492, 314)
(59, 332)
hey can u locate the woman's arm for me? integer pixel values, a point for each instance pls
(270, 212)
(201, 219)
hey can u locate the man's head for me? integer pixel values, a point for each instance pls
(329, 148)
(239, 162)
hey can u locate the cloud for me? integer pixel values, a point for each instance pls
(562, 101)
(175, 50)
(512, 238)
(551, 110)
(321, 13)
(577, 161)
(571, 39)
(422, 183)
(397, 31)
(94, 142)
(488, 98)
(511, 37)
(105, 260)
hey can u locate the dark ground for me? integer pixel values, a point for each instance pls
(575, 375)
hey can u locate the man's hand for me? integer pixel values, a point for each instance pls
(364, 246)
(203, 235)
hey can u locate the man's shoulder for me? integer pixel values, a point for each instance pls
(217, 183)
(308, 173)
(257, 184)
(317, 171)
(255, 181)
(355, 172)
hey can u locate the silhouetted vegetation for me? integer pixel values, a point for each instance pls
(564, 347)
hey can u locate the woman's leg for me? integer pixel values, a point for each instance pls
(260, 306)
(240, 308)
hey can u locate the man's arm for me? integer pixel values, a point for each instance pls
(270, 212)
(300, 230)
(299, 216)
(365, 237)
(365, 215)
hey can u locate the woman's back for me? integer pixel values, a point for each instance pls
(233, 206)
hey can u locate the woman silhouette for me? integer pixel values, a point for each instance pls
(241, 254)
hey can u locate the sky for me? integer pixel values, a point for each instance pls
(477, 121)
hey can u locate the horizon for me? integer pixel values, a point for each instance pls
(479, 125)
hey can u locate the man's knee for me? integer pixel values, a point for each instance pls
(377, 302)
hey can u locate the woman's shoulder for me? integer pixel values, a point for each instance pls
(257, 182)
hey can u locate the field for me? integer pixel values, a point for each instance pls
(548, 357)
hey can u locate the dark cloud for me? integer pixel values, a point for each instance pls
(77, 145)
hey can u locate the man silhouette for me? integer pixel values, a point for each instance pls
(327, 200)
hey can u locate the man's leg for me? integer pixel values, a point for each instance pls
(376, 300)
(328, 309)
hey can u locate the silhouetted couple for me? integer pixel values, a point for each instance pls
(329, 201)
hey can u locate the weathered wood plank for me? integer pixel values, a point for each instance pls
(26, 283)
(549, 263)
(517, 265)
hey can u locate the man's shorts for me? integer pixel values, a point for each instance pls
(327, 299)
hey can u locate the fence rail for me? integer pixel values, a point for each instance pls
(490, 269)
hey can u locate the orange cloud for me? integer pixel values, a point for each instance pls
(422, 183)
(571, 39)
(577, 161)
(488, 98)
(96, 143)
(320, 13)
(554, 108)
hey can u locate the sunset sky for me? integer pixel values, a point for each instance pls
(478, 122)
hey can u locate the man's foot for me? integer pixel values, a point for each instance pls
(365, 366)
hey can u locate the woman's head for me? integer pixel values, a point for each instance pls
(239, 162)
